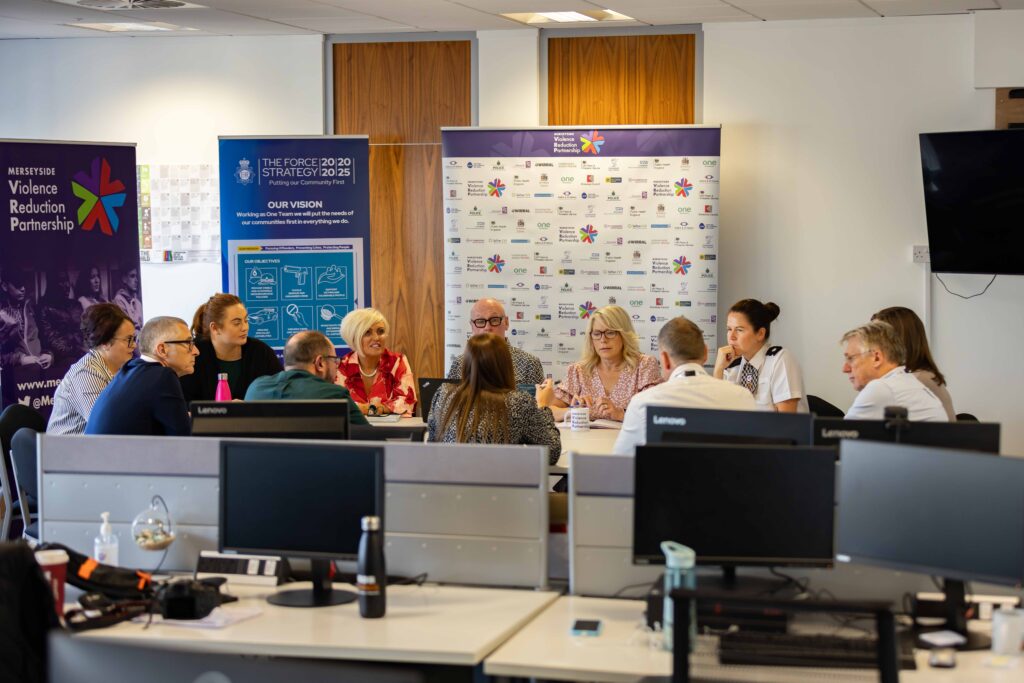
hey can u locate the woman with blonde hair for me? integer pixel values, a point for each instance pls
(379, 380)
(485, 406)
(610, 372)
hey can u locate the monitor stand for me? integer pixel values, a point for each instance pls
(744, 585)
(322, 594)
(955, 609)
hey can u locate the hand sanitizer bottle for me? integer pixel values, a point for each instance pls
(104, 549)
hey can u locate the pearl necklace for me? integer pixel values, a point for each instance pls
(369, 374)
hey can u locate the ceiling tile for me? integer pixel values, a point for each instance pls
(781, 10)
(898, 8)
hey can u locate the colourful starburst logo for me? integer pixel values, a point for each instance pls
(683, 187)
(592, 143)
(100, 197)
(681, 265)
(586, 309)
(588, 234)
(495, 264)
(495, 187)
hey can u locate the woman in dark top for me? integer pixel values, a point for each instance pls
(485, 406)
(221, 330)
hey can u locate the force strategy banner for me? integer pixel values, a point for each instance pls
(295, 231)
(558, 222)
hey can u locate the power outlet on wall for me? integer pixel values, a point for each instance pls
(921, 254)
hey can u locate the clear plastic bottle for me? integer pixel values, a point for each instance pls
(223, 389)
(371, 575)
(104, 547)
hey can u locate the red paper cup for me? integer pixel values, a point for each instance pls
(54, 564)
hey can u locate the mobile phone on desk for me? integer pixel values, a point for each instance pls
(586, 627)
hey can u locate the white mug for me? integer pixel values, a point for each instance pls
(1007, 631)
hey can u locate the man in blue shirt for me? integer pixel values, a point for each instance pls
(310, 365)
(145, 395)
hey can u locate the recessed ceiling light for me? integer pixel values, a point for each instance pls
(566, 17)
(130, 26)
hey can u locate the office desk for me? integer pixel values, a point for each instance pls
(545, 649)
(424, 625)
(593, 442)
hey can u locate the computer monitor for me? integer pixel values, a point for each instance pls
(428, 387)
(271, 419)
(735, 505)
(414, 433)
(971, 436)
(934, 511)
(299, 500)
(700, 425)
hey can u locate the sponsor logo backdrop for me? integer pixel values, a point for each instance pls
(558, 222)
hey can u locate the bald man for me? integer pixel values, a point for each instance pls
(488, 316)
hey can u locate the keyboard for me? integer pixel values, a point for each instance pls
(790, 649)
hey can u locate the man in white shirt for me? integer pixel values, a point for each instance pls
(873, 358)
(682, 354)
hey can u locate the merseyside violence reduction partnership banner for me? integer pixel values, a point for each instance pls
(558, 222)
(70, 239)
(295, 231)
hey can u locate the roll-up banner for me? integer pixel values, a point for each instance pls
(558, 222)
(295, 231)
(70, 239)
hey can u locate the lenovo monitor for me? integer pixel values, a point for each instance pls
(271, 419)
(699, 425)
(971, 436)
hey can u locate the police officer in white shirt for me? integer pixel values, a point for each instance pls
(770, 373)
(873, 358)
(682, 354)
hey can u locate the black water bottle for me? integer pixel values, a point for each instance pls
(371, 576)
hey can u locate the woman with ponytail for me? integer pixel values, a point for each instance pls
(220, 328)
(771, 373)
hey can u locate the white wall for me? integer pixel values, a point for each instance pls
(172, 96)
(999, 49)
(513, 97)
(822, 199)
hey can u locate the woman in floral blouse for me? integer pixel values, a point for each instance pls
(380, 381)
(610, 372)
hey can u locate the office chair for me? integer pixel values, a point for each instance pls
(23, 457)
(823, 408)
(966, 417)
(13, 418)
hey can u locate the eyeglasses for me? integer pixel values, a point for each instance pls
(604, 334)
(189, 343)
(481, 323)
(131, 340)
(849, 358)
(334, 358)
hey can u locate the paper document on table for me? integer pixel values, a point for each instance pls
(218, 618)
(383, 419)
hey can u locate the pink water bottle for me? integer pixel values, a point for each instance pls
(223, 390)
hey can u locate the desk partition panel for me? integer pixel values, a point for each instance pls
(601, 526)
(463, 513)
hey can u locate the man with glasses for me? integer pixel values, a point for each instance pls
(488, 315)
(682, 354)
(145, 395)
(873, 358)
(310, 365)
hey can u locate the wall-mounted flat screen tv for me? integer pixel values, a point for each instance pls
(974, 200)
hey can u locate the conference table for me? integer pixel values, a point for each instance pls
(626, 652)
(595, 441)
